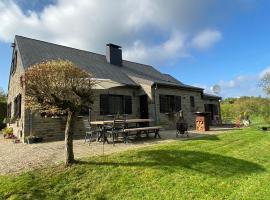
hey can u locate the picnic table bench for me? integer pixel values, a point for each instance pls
(120, 126)
(141, 130)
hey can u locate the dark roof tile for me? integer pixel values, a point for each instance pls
(35, 51)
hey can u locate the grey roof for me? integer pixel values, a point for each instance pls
(211, 96)
(34, 51)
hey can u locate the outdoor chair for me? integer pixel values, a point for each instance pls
(118, 128)
(90, 132)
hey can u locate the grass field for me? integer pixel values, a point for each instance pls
(234, 165)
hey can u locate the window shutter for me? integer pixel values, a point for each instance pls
(9, 110)
(19, 101)
(178, 106)
(128, 105)
(162, 103)
(15, 107)
(104, 104)
(14, 63)
(192, 101)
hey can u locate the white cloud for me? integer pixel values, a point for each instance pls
(144, 27)
(206, 39)
(173, 47)
(242, 85)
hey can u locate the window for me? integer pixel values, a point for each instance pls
(17, 106)
(113, 104)
(14, 63)
(192, 102)
(9, 106)
(169, 103)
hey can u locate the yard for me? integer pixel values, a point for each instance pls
(234, 165)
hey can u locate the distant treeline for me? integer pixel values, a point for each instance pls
(257, 109)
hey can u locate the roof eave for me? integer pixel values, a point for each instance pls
(180, 87)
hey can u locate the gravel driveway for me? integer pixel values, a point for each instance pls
(15, 158)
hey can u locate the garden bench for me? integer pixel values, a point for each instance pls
(141, 130)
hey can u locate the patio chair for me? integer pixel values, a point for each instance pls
(90, 132)
(118, 128)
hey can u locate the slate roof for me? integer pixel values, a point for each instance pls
(211, 96)
(34, 51)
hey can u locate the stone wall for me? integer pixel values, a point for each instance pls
(15, 88)
(168, 120)
(50, 128)
(53, 128)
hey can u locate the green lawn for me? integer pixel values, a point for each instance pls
(229, 166)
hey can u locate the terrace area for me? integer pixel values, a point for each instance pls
(22, 157)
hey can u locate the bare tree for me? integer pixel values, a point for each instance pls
(265, 83)
(59, 87)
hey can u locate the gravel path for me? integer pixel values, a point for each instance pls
(15, 158)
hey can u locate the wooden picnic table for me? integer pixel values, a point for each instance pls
(127, 121)
(103, 124)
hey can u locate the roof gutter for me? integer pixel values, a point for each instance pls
(179, 87)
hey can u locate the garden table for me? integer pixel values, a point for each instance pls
(104, 128)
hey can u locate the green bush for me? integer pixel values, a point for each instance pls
(8, 131)
(256, 108)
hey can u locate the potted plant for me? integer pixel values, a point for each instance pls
(8, 132)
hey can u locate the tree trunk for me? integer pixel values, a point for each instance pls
(70, 126)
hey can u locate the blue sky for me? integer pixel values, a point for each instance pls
(201, 43)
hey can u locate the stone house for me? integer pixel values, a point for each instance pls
(146, 92)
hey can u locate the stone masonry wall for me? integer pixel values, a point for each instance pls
(167, 120)
(53, 128)
(15, 88)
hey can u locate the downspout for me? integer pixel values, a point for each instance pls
(156, 118)
(30, 122)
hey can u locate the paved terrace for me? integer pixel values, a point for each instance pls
(15, 158)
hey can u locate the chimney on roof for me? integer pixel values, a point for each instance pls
(114, 54)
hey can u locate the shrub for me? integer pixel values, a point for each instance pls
(255, 108)
(8, 131)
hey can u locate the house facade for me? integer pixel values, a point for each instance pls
(145, 92)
